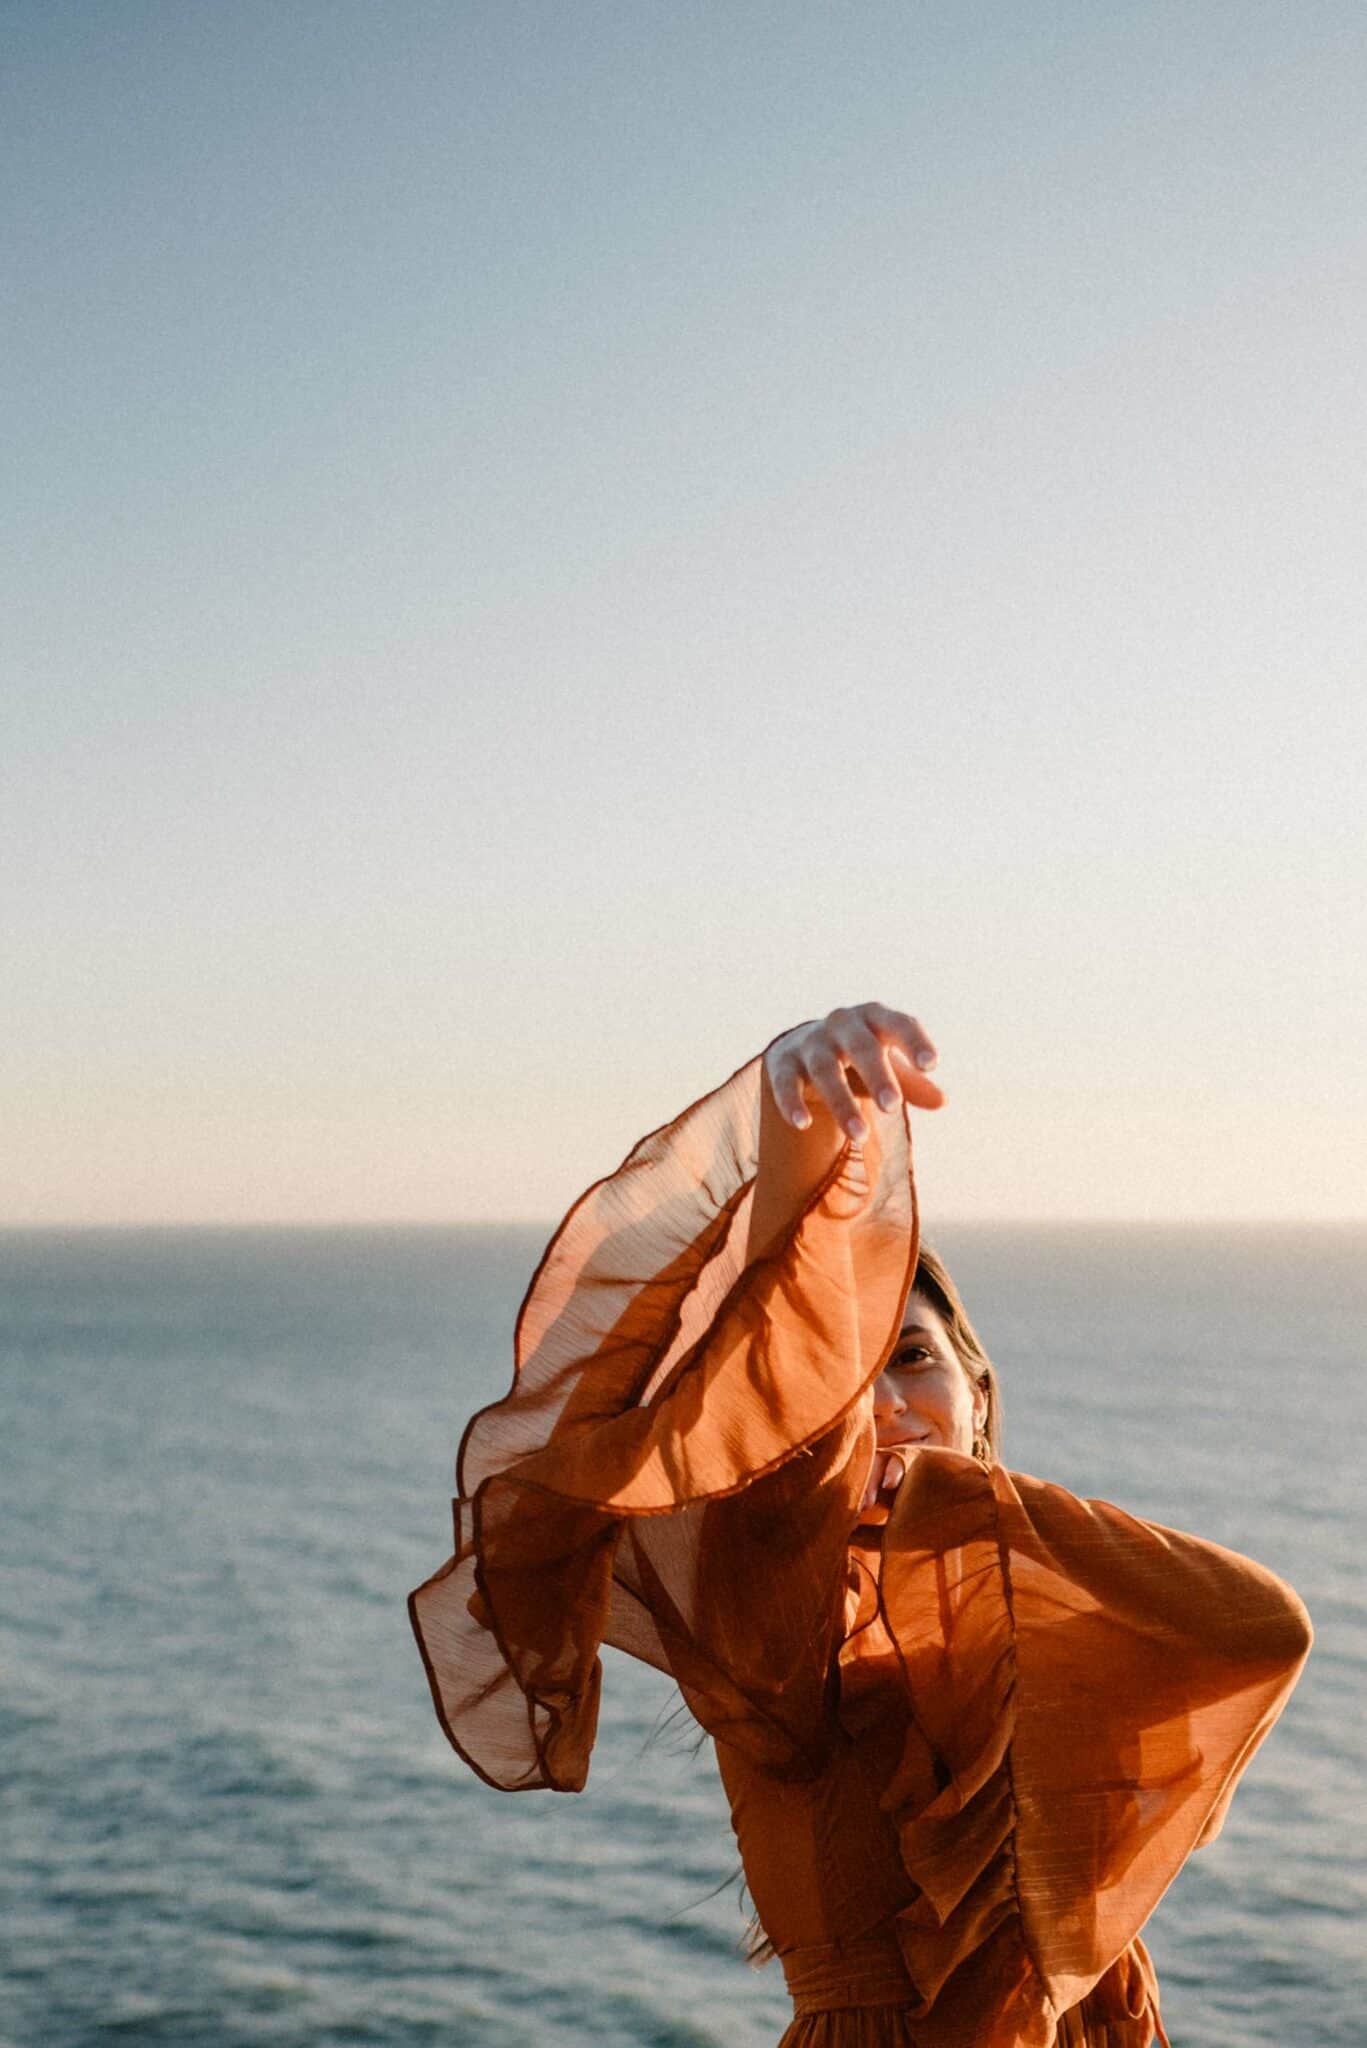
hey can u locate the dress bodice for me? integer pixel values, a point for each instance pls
(969, 1753)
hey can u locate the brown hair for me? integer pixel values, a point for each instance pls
(933, 1281)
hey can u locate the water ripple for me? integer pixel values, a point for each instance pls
(230, 1819)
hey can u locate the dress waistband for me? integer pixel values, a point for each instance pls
(834, 1976)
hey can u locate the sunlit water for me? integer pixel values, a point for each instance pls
(230, 1817)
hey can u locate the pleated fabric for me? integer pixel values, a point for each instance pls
(965, 1752)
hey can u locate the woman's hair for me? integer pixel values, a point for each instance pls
(933, 1281)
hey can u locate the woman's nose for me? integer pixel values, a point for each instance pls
(887, 1396)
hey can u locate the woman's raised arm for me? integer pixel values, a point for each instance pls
(669, 1405)
(814, 1077)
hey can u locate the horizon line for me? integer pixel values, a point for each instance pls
(549, 1226)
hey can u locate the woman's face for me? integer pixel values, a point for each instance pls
(923, 1395)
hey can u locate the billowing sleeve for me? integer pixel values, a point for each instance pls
(678, 1463)
(1087, 1689)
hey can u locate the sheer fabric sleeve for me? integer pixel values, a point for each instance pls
(678, 1463)
(1087, 1689)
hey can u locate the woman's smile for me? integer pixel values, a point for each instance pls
(923, 1395)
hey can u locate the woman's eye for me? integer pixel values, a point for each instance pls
(918, 1355)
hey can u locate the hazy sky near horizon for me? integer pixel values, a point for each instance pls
(550, 542)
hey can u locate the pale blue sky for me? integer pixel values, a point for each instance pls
(550, 542)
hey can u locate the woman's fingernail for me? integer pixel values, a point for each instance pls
(856, 1129)
(887, 1098)
(801, 1120)
(925, 1059)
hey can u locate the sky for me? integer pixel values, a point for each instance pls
(550, 542)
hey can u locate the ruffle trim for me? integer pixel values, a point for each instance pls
(1082, 1691)
(657, 1373)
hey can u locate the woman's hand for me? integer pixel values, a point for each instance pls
(813, 1076)
(868, 1050)
(887, 1470)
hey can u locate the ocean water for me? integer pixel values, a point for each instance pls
(229, 1815)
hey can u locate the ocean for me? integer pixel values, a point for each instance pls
(229, 1814)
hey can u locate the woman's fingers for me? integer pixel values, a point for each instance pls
(887, 1470)
(874, 1480)
(786, 1076)
(905, 1032)
(826, 1068)
(886, 1051)
(916, 1087)
(868, 1056)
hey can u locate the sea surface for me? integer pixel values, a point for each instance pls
(229, 1816)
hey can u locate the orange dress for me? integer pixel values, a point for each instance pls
(966, 1752)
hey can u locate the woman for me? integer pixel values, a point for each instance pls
(969, 1725)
